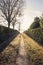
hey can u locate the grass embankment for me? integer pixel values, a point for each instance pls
(34, 51)
(36, 34)
(6, 32)
(9, 55)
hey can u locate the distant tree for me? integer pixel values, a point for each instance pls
(36, 23)
(10, 9)
(41, 21)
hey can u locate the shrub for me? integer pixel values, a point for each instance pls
(36, 34)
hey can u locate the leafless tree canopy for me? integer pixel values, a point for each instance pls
(10, 9)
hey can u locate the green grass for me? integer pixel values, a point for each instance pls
(36, 34)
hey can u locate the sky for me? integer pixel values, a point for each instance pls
(32, 8)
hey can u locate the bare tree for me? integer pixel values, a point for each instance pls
(19, 12)
(10, 9)
(13, 22)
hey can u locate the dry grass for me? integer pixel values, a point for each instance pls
(34, 51)
(8, 56)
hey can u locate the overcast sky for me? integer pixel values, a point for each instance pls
(35, 4)
(32, 9)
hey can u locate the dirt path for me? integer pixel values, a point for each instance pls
(22, 56)
(9, 55)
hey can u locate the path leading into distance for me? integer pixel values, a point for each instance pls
(22, 56)
(15, 53)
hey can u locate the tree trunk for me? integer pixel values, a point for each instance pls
(13, 26)
(8, 25)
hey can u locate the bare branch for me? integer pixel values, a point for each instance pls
(10, 9)
(3, 17)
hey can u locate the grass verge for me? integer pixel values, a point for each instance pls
(35, 54)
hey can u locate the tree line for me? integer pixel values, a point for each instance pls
(38, 22)
(36, 30)
(11, 9)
